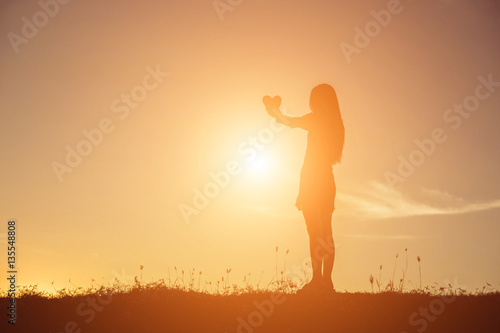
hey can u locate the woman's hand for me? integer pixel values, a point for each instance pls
(273, 106)
(275, 113)
(273, 109)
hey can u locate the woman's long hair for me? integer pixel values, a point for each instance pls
(324, 101)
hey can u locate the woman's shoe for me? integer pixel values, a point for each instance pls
(312, 286)
(327, 286)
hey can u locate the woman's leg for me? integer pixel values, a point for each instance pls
(329, 248)
(313, 225)
(326, 224)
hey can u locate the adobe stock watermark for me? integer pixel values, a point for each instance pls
(223, 6)
(425, 315)
(30, 27)
(88, 309)
(249, 150)
(454, 117)
(371, 30)
(94, 137)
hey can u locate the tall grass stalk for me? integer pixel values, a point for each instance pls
(394, 272)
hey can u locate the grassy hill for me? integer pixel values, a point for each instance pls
(156, 307)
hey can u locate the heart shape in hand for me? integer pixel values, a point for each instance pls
(272, 103)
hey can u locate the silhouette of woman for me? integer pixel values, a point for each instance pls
(316, 198)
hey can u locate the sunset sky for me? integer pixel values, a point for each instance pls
(171, 93)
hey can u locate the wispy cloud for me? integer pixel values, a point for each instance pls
(378, 201)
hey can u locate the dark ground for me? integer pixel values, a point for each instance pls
(167, 310)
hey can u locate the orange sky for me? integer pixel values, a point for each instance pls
(119, 207)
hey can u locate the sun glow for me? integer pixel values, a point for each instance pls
(259, 164)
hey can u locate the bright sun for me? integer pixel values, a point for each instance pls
(259, 164)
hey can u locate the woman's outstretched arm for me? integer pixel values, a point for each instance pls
(303, 122)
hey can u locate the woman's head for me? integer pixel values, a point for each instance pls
(324, 101)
